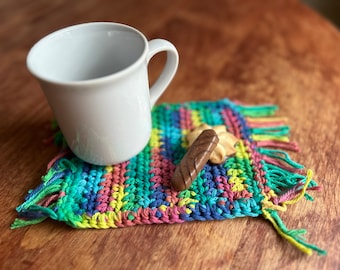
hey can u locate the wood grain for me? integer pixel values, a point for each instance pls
(257, 52)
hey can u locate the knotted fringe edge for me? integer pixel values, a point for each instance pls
(285, 179)
(40, 203)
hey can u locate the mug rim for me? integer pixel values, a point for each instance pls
(104, 78)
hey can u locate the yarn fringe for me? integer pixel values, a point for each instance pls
(292, 236)
(41, 202)
(286, 180)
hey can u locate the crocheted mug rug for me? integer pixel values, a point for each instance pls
(259, 180)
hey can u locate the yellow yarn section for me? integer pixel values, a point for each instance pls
(188, 211)
(258, 138)
(184, 143)
(99, 220)
(195, 118)
(236, 180)
(109, 169)
(303, 191)
(241, 151)
(118, 194)
(268, 204)
(163, 207)
(267, 119)
(290, 239)
(155, 138)
(187, 201)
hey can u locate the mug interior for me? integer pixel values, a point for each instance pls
(86, 52)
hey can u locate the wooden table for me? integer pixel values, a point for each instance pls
(257, 52)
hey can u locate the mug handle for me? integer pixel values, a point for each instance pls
(169, 70)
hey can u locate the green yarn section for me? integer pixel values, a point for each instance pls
(294, 235)
(258, 111)
(273, 131)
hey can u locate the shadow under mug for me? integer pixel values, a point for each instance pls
(95, 78)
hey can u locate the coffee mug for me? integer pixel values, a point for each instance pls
(95, 78)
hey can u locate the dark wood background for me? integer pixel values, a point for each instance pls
(257, 52)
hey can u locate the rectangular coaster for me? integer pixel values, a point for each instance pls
(259, 180)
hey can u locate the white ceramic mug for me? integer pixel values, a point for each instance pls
(95, 78)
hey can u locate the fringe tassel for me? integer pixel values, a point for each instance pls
(285, 178)
(269, 137)
(265, 122)
(40, 203)
(280, 159)
(19, 223)
(292, 236)
(290, 146)
(286, 190)
(275, 131)
(269, 212)
(257, 111)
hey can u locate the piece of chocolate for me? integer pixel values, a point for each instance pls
(225, 146)
(194, 160)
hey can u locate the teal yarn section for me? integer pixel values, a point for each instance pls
(259, 180)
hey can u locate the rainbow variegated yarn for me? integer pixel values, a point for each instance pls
(259, 180)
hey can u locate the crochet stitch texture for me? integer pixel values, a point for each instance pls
(260, 179)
